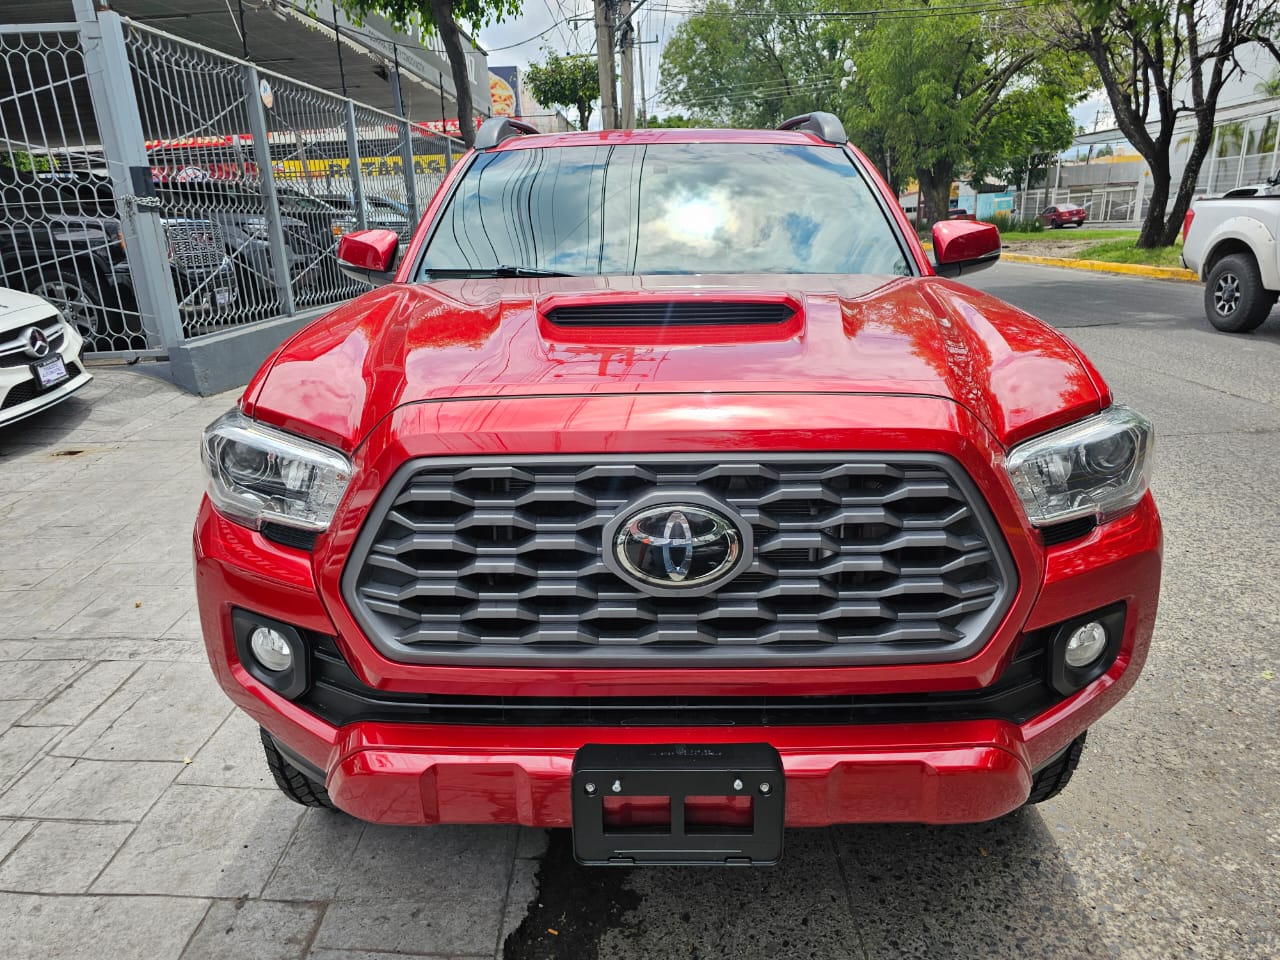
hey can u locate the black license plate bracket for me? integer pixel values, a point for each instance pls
(678, 772)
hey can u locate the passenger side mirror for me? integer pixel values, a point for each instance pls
(963, 246)
(369, 255)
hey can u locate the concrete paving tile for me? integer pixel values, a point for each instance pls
(531, 842)
(233, 757)
(34, 679)
(424, 862)
(460, 923)
(169, 721)
(131, 612)
(316, 860)
(323, 953)
(84, 695)
(13, 649)
(187, 627)
(124, 575)
(23, 792)
(37, 612)
(204, 842)
(11, 834)
(62, 857)
(158, 649)
(103, 790)
(13, 710)
(80, 739)
(73, 928)
(20, 747)
(254, 930)
(520, 893)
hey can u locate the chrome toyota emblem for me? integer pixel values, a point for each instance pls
(37, 343)
(677, 544)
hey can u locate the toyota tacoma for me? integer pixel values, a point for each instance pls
(665, 490)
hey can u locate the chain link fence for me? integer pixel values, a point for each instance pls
(187, 193)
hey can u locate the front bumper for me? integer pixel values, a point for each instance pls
(931, 772)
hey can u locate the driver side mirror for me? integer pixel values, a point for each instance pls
(963, 246)
(369, 255)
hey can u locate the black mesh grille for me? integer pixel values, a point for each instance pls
(856, 560)
(1021, 692)
(690, 313)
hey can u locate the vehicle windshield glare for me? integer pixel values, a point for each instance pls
(670, 208)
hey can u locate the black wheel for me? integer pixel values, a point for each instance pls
(293, 783)
(1234, 298)
(1053, 779)
(1054, 224)
(80, 305)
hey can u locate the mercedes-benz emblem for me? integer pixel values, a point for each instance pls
(37, 343)
(677, 543)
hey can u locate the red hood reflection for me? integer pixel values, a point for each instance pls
(487, 337)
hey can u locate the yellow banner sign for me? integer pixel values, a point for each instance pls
(430, 164)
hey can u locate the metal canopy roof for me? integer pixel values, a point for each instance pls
(282, 39)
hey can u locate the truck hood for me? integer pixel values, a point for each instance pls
(406, 343)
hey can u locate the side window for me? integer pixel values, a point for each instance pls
(1049, 210)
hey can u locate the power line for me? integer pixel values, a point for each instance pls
(891, 13)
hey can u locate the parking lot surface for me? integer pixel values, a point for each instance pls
(138, 820)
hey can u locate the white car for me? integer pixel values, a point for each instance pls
(40, 362)
(1233, 243)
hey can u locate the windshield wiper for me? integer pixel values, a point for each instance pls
(502, 270)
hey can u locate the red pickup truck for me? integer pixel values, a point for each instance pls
(664, 490)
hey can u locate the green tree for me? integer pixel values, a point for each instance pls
(983, 93)
(675, 120)
(568, 81)
(442, 17)
(1160, 61)
(927, 95)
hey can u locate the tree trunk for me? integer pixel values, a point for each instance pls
(935, 190)
(442, 12)
(584, 114)
(1152, 233)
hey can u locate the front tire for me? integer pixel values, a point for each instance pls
(1234, 299)
(293, 783)
(1053, 779)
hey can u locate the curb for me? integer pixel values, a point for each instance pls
(1100, 266)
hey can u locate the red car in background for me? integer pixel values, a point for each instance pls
(665, 490)
(1063, 214)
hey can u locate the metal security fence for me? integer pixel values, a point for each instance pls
(1104, 204)
(158, 191)
(61, 236)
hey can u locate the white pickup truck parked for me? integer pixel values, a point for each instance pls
(1233, 243)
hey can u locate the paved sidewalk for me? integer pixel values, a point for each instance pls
(128, 786)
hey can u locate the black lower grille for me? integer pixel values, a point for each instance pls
(339, 698)
(853, 558)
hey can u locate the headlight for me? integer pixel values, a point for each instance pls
(1097, 467)
(255, 228)
(257, 474)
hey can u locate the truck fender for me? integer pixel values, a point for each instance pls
(1252, 233)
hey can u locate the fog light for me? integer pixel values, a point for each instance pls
(1085, 644)
(272, 650)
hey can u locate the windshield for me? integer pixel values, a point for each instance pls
(664, 208)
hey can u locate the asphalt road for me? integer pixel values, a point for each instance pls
(1167, 842)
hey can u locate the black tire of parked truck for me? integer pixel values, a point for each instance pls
(1234, 298)
(1052, 779)
(293, 783)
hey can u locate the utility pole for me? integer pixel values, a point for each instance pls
(626, 43)
(604, 61)
(644, 105)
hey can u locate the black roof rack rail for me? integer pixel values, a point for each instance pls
(826, 125)
(496, 129)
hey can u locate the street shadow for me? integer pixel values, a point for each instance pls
(999, 889)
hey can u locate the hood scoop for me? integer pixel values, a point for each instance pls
(660, 313)
(669, 317)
